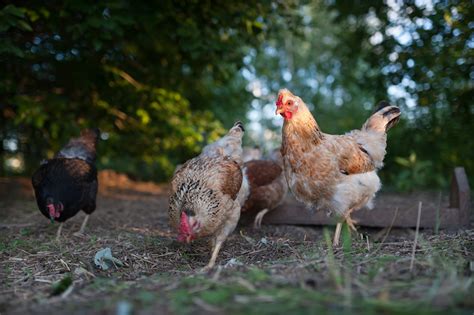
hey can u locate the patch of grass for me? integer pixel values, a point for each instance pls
(232, 298)
(109, 285)
(25, 232)
(255, 274)
(13, 245)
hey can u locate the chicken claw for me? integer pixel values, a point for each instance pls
(258, 218)
(351, 223)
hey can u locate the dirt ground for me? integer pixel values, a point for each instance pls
(277, 269)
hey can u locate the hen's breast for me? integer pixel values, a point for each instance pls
(355, 191)
(311, 170)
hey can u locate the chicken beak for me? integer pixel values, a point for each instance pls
(279, 110)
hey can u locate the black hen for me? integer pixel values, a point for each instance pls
(68, 183)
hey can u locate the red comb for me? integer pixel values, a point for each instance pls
(279, 102)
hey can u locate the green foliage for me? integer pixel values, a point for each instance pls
(348, 56)
(415, 173)
(164, 78)
(152, 76)
(424, 58)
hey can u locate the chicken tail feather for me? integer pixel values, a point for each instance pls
(229, 145)
(240, 125)
(384, 117)
(83, 147)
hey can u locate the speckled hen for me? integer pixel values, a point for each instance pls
(208, 192)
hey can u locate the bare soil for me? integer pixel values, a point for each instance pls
(276, 269)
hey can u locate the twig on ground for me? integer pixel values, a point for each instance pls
(65, 264)
(43, 280)
(412, 261)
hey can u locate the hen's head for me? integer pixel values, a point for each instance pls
(188, 226)
(54, 208)
(287, 104)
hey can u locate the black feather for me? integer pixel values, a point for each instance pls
(394, 110)
(240, 125)
(380, 105)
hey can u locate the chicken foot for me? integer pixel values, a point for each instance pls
(259, 217)
(350, 222)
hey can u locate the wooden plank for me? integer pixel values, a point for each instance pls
(460, 194)
(453, 216)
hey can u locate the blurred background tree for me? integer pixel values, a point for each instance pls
(158, 78)
(347, 56)
(163, 78)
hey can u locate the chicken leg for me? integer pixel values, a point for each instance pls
(58, 233)
(258, 218)
(337, 234)
(350, 222)
(215, 252)
(83, 227)
(222, 235)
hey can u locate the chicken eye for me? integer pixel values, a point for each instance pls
(289, 103)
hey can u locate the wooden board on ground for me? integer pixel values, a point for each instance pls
(390, 209)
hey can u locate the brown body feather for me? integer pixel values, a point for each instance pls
(267, 185)
(334, 172)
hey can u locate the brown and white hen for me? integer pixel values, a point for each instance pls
(337, 173)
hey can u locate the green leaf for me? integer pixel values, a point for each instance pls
(24, 26)
(13, 10)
